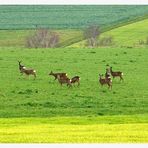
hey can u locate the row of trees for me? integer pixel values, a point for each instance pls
(43, 38)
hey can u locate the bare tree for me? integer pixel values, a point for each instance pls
(91, 34)
(42, 38)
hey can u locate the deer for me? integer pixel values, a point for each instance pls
(104, 81)
(116, 74)
(57, 74)
(108, 74)
(20, 67)
(64, 80)
(75, 79)
(29, 72)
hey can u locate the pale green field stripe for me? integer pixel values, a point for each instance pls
(78, 120)
(96, 133)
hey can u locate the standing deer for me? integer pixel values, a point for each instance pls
(64, 80)
(116, 74)
(58, 74)
(108, 73)
(29, 72)
(20, 67)
(104, 81)
(75, 79)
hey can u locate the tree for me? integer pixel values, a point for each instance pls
(42, 38)
(91, 34)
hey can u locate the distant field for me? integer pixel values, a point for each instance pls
(18, 22)
(68, 17)
(17, 38)
(126, 35)
(106, 129)
(44, 97)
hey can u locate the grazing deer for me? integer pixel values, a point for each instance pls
(64, 80)
(58, 74)
(104, 81)
(20, 67)
(116, 74)
(75, 79)
(29, 72)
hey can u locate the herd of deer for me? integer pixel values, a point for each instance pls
(107, 80)
(63, 78)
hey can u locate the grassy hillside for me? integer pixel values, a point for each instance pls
(17, 38)
(67, 17)
(128, 35)
(43, 97)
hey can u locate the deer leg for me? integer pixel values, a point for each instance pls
(110, 87)
(78, 83)
(21, 73)
(34, 76)
(70, 85)
(121, 78)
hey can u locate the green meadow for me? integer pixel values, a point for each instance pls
(21, 96)
(43, 111)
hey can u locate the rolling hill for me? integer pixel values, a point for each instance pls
(127, 35)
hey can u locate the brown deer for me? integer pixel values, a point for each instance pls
(20, 67)
(64, 80)
(58, 74)
(108, 74)
(104, 81)
(116, 74)
(75, 79)
(29, 72)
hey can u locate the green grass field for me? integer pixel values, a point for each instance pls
(43, 97)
